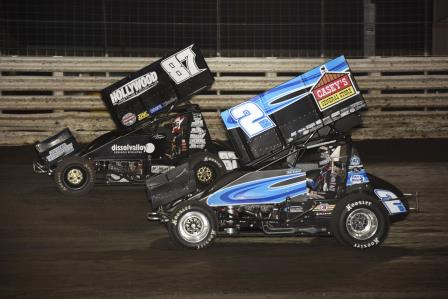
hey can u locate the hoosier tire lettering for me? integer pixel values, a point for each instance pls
(350, 206)
(180, 212)
(365, 246)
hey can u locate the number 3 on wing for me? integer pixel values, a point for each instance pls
(176, 70)
(251, 119)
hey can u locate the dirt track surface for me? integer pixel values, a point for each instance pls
(102, 246)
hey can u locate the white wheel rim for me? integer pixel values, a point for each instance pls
(193, 227)
(361, 224)
(75, 176)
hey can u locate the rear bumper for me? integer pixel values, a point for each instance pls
(157, 217)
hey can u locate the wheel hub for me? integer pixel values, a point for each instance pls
(204, 174)
(193, 227)
(75, 176)
(361, 224)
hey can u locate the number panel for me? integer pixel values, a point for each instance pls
(251, 119)
(179, 72)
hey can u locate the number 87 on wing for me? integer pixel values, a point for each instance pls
(188, 72)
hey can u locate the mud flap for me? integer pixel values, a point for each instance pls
(170, 186)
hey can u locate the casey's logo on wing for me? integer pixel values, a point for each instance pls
(333, 88)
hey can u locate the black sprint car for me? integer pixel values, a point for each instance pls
(121, 157)
(157, 129)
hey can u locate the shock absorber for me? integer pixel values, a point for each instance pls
(231, 229)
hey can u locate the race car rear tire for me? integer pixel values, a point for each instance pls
(74, 176)
(192, 225)
(360, 221)
(207, 168)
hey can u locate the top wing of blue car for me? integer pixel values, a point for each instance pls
(287, 113)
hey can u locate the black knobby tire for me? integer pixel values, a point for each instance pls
(207, 168)
(193, 225)
(360, 221)
(74, 176)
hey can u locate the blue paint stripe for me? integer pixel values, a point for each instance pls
(259, 191)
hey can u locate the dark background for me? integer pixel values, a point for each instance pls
(285, 28)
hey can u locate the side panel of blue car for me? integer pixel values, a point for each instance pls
(263, 187)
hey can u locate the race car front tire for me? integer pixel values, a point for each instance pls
(192, 225)
(360, 221)
(74, 176)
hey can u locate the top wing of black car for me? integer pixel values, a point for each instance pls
(139, 97)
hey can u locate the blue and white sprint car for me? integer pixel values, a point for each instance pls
(299, 173)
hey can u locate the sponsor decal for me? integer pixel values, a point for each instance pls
(355, 177)
(227, 155)
(334, 116)
(133, 148)
(324, 209)
(385, 194)
(159, 107)
(159, 136)
(290, 171)
(394, 206)
(156, 169)
(117, 179)
(229, 159)
(128, 119)
(155, 108)
(306, 130)
(333, 88)
(134, 88)
(197, 120)
(142, 115)
(390, 201)
(296, 209)
(197, 132)
(178, 144)
(356, 164)
(61, 150)
(355, 161)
